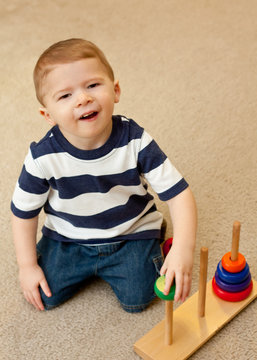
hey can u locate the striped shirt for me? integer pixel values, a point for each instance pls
(97, 196)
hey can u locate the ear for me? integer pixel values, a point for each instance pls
(117, 91)
(45, 113)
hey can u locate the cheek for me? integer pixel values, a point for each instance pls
(62, 111)
(109, 100)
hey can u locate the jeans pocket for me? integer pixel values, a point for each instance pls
(158, 262)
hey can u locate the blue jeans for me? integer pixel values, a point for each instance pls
(130, 267)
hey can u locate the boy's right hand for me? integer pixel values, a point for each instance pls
(31, 277)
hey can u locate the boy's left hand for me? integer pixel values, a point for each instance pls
(178, 266)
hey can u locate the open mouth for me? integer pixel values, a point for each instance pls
(88, 116)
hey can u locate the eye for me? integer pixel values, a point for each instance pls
(91, 86)
(65, 96)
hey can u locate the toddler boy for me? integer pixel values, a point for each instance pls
(90, 174)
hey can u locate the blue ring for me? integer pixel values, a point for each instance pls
(233, 287)
(232, 278)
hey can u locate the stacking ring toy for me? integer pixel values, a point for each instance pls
(159, 288)
(232, 278)
(166, 246)
(233, 287)
(227, 296)
(233, 266)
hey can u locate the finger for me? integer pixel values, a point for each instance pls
(186, 287)
(179, 287)
(37, 300)
(44, 286)
(29, 297)
(163, 269)
(168, 282)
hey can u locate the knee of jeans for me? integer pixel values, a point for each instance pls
(136, 293)
(49, 307)
(49, 302)
(135, 308)
(139, 299)
(54, 300)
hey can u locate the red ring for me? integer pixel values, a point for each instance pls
(228, 296)
(233, 266)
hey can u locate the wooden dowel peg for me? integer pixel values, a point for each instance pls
(168, 322)
(202, 281)
(235, 240)
(159, 288)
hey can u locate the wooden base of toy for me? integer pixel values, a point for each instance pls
(190, 331)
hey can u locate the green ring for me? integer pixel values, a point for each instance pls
(159, 288)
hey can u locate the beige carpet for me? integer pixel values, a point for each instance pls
(188, 73)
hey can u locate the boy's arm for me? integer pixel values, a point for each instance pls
(179, 261)
(30, 274)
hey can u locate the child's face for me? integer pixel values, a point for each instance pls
(79, 98)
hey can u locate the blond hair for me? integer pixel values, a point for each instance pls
(66, 51)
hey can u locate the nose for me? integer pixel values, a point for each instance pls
(83, 98)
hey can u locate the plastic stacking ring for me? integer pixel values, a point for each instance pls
(159, 288)
(232, 278)
(233, 266)
(232, 287)
(166, 246)
(233, 297)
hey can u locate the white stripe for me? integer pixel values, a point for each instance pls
(32, 166)
(64, 165)
(26, 201)
(151, 221)
(68, 230)
(146, 140)
(102, 244)
(163, 177)
(94, 203)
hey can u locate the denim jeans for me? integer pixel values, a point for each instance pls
(130, 267)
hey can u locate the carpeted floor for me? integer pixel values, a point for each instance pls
(188, 74)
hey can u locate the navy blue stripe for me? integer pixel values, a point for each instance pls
(143, 235)
(106, 219)
(24, 214)
(32, 184)
(70, 187)
(54, 142)
(91, 154)
(150, 157)
(175, 190)
(45, 146)
(131, 131)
